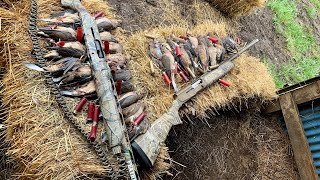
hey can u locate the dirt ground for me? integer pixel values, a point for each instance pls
(272, 45)
(237, 146)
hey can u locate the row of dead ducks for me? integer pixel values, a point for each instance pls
(68, 64)
(190, 56)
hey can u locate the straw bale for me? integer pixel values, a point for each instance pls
(43, 143)
(249, 79)
(237, 8)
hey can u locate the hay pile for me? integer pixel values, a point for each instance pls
(250, 78)
(236, 8)
(40, 139)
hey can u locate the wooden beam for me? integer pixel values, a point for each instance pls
(297, 137)
(301, 95)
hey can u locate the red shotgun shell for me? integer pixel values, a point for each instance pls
(178, 51)
(224, 83)
(80, 105)
(183, 76)
(98, 14)
(214, 40)
(175, 68)
(118, 86)
(139, 119)
(184, 37)
(90, 111)
(166, 78)
(79, 34)
(106, 47)
(93, 133)
(60, 43)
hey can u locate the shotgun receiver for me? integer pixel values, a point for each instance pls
(147, 146)
(117, 136)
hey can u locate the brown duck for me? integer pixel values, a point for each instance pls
(203, 54)
(86, 89)
(212, 52)
(186, 60)
(105, 24)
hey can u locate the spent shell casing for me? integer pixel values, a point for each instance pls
(139, 119)
(90, 111)
(80, 105)
(93, 132)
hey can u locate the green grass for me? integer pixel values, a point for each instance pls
(316, 3)
(300, 42)
(312, 12)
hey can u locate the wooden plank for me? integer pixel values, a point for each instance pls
(297, 137)
(302, 95)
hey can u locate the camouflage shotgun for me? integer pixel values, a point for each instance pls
(116, 133)
(147, 146)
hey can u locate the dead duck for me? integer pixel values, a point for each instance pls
(212, 52)
(132, 109)
(57, 68)
(79, 73)
(128, 98)
(132, 112)
(107, 36)
(230, 45)
(221, 52)
(193, 40)
(187, 62)
(63, 13)
(85, 89)
(114, 48)
(69, 49)
(105, 24)
(122, 75)
(59, 33)
(168, 63)
(203, 54)
(68, 18)
(126, 86)
(154, 49)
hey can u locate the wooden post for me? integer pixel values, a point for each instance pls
(297, 137)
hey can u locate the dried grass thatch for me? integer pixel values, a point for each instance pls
(40, 139)
(246, 78)
(237, 8)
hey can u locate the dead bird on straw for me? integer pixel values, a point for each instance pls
(58, 33)
(69, 49)
(105, 24)
(85, 89)
(57, 68)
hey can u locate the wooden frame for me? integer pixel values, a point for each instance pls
(288, 102)
(300, 95)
